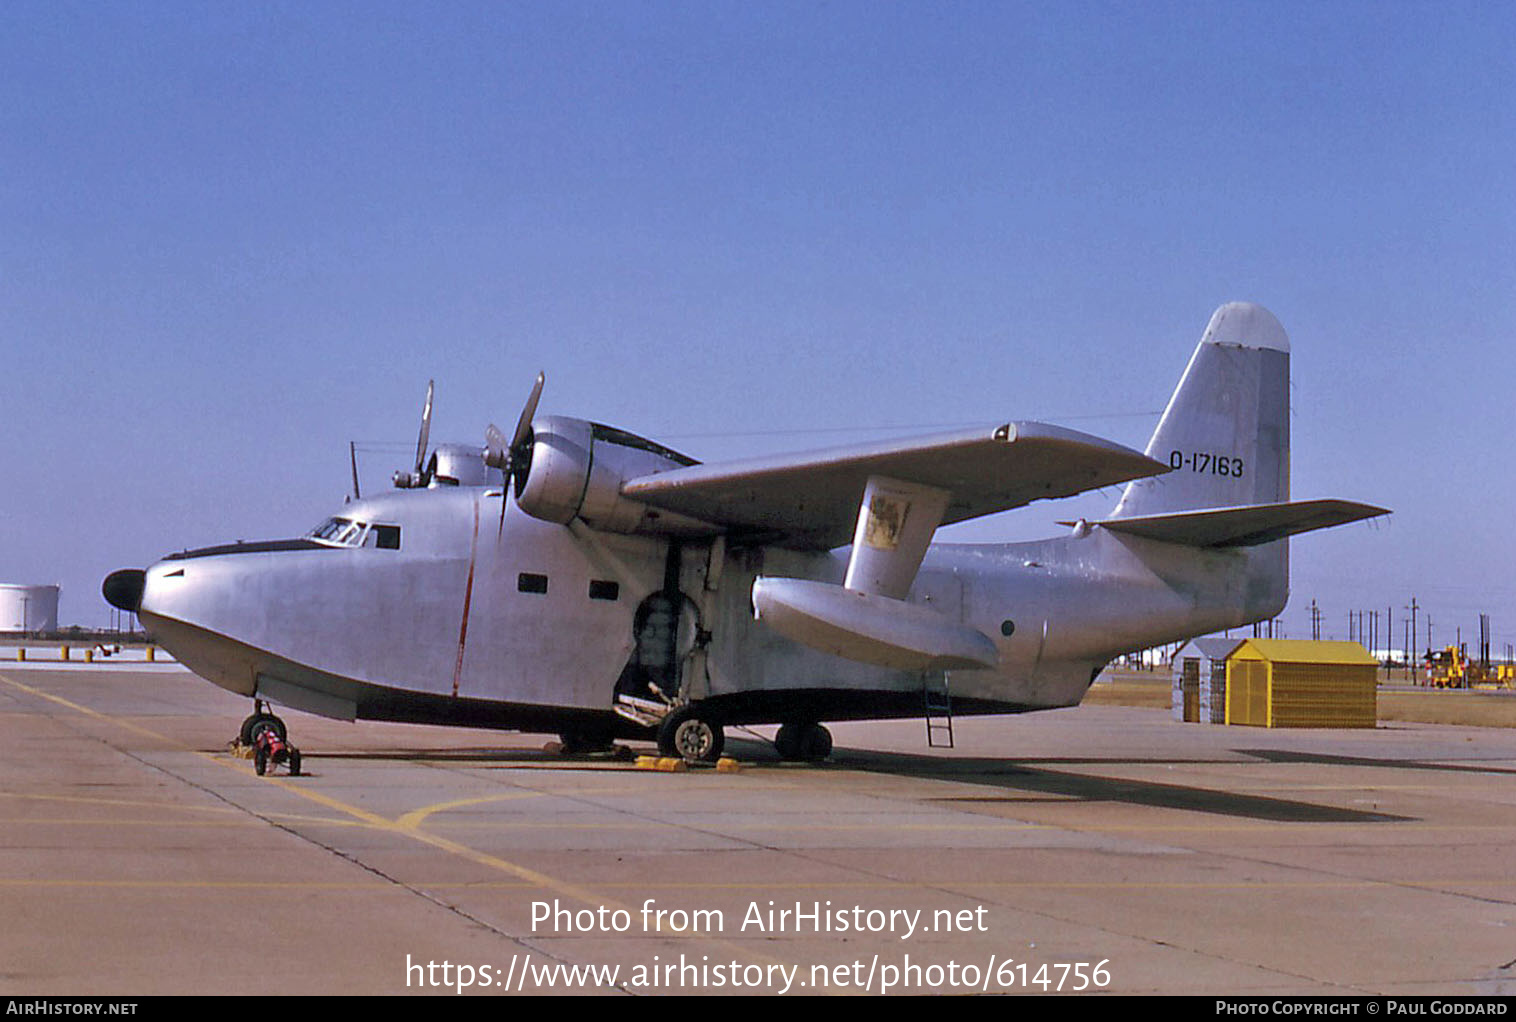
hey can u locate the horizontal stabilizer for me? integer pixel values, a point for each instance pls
(1244, 526)
(869, 628)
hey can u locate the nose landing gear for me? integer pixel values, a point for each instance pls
(267, 736)
(260, 720)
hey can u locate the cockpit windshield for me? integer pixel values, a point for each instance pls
(339, 532)
(350, 533)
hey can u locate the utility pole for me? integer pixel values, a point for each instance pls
(1410, 652)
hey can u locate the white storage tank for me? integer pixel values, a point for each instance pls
(26, 610)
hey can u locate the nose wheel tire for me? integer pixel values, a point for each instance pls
(688, 733)
(257, 723)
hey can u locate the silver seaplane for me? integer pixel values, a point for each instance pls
(578, 580)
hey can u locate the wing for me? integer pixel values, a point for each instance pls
(811, 500)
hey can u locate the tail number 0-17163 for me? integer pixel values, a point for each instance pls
(1206, 463)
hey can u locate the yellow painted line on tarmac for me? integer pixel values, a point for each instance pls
(718, 830)
(537, 879)
(363, 815)
(964, 886)
(715, 827)
(772, 886)
(121, 803)
(463, 851)
(117, 821)
(201, 884)
(1011, 826)
(415, 818)
(96, 714)
(231, 817)
(241, 820)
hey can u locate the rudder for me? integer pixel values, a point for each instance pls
(1226, 430)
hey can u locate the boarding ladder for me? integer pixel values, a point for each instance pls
(938, 702)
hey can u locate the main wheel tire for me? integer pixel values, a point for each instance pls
(689, 734)
(260, 762)
(294, 762)
(579, 743)
(787, 741)
(815, 744)
(803, 742)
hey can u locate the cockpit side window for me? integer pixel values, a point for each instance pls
(386, 537)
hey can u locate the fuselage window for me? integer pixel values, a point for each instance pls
(604, 589)
(526, 582)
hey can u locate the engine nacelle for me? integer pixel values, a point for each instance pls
(460, 465)
(576, 470)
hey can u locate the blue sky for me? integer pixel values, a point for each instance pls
(234, 237)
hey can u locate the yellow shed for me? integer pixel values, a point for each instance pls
(1299, 683)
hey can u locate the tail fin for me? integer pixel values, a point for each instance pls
(1226, 431)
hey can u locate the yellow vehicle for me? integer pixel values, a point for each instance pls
(1451, 667)
(1498, 676)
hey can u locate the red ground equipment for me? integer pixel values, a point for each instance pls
(270, 749)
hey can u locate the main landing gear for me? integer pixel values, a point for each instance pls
(267, 736)
(695, 735)
(806, 741)
(591, 743)
(690, 733)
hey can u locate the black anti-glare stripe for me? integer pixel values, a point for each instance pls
(260, 547)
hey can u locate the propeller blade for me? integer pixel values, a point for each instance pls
(513, 457)
(524, 424)
(426, 429)
(498, 455)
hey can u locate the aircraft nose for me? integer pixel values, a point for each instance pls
(123, 588)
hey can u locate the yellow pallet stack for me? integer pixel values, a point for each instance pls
(1298, 683)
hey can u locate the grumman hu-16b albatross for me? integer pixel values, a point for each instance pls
(579, 580)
